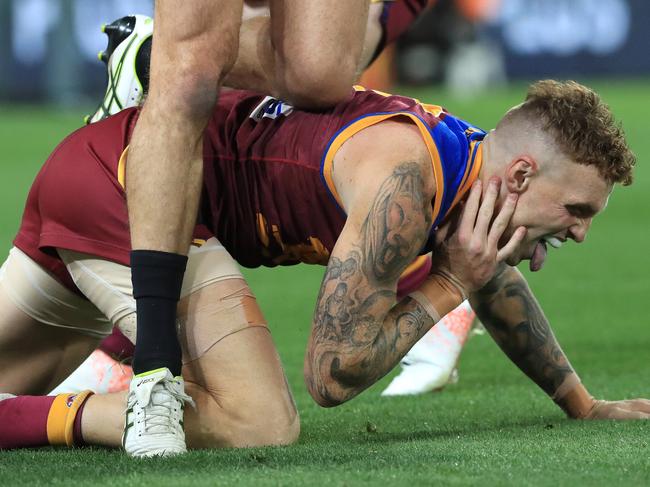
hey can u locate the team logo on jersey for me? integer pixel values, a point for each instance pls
(70, 399)
(271, 108)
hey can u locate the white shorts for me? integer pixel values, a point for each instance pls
(106, 284)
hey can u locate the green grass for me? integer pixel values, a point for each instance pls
(493, 428)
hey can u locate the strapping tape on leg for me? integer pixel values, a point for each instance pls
(215, 312)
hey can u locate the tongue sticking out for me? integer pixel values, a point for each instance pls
(539, 256)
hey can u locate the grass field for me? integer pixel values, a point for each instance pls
(494, 428)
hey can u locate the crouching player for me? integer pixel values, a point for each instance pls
(432, 362)
(364, 188)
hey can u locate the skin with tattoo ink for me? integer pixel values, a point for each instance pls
(512, 315)
(391, 236)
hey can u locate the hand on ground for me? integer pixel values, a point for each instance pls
(629, 409)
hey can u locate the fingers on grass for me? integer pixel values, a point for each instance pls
(642, 405)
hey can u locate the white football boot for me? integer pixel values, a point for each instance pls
(431, 364)
(100, 373)
(4, 396)
(127, 60)
(154, 415)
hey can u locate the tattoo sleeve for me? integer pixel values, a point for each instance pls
(359, 332)
(514, 318)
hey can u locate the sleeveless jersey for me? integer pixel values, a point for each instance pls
(268, 194)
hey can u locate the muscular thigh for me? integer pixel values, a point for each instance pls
(373, 30)
(233, 368)
(319, 28)
(35, 357)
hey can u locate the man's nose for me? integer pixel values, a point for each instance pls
(578, 231)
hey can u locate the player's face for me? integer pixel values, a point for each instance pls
(557, 206)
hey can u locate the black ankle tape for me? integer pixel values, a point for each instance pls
(157, 281)
(157, 274)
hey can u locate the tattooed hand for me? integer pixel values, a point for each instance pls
(470, 256)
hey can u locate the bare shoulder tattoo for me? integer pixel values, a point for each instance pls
(397, 224)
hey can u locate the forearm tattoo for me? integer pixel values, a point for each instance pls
(512, 315)
(359, 334)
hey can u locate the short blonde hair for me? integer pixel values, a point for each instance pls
(583, 126)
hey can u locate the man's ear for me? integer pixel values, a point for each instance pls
(519, 174)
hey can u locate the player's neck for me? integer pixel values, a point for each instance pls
(486, 167)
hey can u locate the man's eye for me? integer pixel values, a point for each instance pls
(579, 211)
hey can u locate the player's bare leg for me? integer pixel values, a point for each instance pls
(193, 47)
(256, 67)
(318, 45)
(35, 357)
(238, 384)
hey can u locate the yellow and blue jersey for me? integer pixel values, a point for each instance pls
(454, 145)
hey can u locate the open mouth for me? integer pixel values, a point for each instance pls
(554, 242)
(540, 252)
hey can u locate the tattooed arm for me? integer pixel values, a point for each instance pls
(512, 315)
(359, 333)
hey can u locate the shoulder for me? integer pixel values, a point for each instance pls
(379, 151)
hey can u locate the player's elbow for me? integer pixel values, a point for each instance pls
(325, 387)
(325, 393)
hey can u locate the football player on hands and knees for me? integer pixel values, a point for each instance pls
(378, 189)
(432, 363)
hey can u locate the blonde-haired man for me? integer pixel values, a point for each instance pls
(365, 189)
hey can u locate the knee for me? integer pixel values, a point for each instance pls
(187, 83)
(274, 430)
(189, 95)
(268, 426)
(261, 429)
(316, 82)
(244, 425)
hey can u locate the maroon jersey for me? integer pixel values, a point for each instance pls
(268, 194)
(396, 18)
